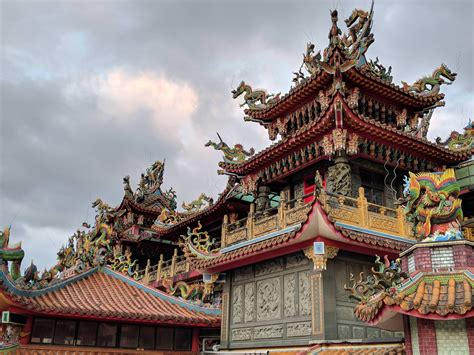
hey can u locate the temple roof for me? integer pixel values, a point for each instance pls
(106, 294)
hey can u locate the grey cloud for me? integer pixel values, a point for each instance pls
(59, 152)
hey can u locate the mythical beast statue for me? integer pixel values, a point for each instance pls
(254, 99)
(430, 85)
(231, 155)
(10, 253)
(431, 203)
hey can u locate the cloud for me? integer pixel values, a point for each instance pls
(92, 92)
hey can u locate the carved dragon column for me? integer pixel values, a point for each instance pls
(339, 179)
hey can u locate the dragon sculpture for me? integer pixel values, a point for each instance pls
(196, 292)
(197, 244)
(377, 289)
(430, 85)
(459, 142)
(10, 253)
(234, 155)
(378, 70)
(198, 203)
(122, 262)
(431, 203)
(254, 99)
(359, 39)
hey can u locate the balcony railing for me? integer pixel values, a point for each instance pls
(361, 213)
(164, 269)
(257, 224)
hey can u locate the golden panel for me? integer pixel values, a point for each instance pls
(236, 236)
(346, 214)
(383, 223)
(297, 214)
(265, 225)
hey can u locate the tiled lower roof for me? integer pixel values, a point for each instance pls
(358, 349)
(103, 293)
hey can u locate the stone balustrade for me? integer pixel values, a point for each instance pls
(165, 268)
(257, 224)
(361, 213)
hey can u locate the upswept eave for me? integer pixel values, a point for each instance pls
(103, 293)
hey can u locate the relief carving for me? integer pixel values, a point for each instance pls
(242, 274)
(268, 331)
(242, 334)
(299, 329)
(269, 267)
(296, 260)
(249, 302)
(289, 307)
(237, 311)
(268, 299)
(304, 293)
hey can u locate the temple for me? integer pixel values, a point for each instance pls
(350, 233)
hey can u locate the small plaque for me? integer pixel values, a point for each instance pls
(318, 248)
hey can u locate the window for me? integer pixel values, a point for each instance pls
(129, 336)
(373, 185)
(183, 338)
(164, 338)
(107, 335)
(65, 331)
(86, 334)
(43, 331)
(147, 338)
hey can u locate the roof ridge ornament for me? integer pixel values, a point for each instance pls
(234, 155)
(431, 85)
(255, 99)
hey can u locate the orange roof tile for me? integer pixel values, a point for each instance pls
(103, 293)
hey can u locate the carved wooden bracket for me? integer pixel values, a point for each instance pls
(319, 260)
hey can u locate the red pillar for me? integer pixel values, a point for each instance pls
(27, 331)
(427, 337)
(407, 331)
(195, 343)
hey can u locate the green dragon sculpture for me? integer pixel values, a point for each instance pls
(431, 203)
(430, 85)
(375, 290)
(255, 99)
(10, 253)
(197, 244)
(459, 142)
(198, 203)
(234, 155)
(197, 292)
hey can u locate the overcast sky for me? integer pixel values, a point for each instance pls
(95, 90)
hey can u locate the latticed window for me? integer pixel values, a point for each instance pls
(373, 185)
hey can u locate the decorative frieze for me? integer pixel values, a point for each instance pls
(289, 307)
(249, 303)
(237, 305)
(304, 300)
(296, 260)
(242, 334)
(268, 299)
(299, 329)
(243, 273)
(269, 267)
(268, 331)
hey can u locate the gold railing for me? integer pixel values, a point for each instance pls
(469, 233)
(361, 213)
(257, 224)
(164, 269)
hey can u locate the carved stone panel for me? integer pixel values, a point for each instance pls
(304, 293)
(243, 273)
(318, 303)
(269, 267)
(296, 260)
(268, 299)
(289, 290)
(249, 309)
(237, 306)
(242, 334)
(299, 329)
(268, 331)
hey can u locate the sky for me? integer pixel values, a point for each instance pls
(91, 91)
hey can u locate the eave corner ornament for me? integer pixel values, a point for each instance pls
(234, 155)
(320, 260)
